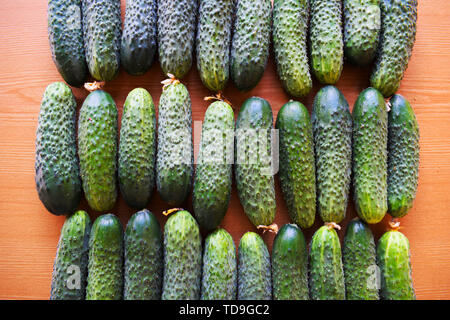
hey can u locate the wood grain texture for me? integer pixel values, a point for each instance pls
(29, 234)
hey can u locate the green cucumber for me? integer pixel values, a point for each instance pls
(137, 149)
(290, 264)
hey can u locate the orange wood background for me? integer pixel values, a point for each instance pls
(29, 234)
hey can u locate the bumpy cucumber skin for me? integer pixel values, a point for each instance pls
(290, 28)
(182, 258)
(213, 175)
(254, 179)
(175, 155)
(326, 40)
(290, 264)
(105, 268)
(250, 43)
(393, 258)
(332, 127)
(138, 45)
(326, 274)
(97, 150)
(71, 256)
(359, 257)
(213, 42)
(102, 28)
(361, 30)
(398, 34)
(254, 271)
(219, 276)
(176, 35)
(403, 157)
(297, 168)
(370, 156)
(143, 257)
(65, 33)
(57, 172)
(137, 149)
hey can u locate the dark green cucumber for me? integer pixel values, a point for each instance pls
(65, 33)
(57, 172)
(326, 40)
(360, 266)
(362, 23)
(332, 127)
(403, 157)
(176, 35)
(254, 278)
(297, 168)
(138, 45)
(290, 264)
(97, 150)
(143, 257)
(182, 258)
(219, 276)
(370, 156)
(71, 261)
(102, 28)
(213, 42)
(175, 155)
(105, 269)
(290, 28)
(250, 43)
(398, 33)
(253, 161)
(326, 274)
(213, 175)
(393, 258)
(137, 149)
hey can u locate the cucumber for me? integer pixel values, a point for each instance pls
(143, 257)
(138, 45)
(105, 268)
(250, 43)
(102, 29)
(393, 258)
(326, 274)
(297, 167)
(253, 161)
(57, 171)
(176, 35)
(182, 258)
(213, 175)
(403, 157)
(65, 34)
(97, 150)
(137, 149)
(326, 40)
(213, 42)
(370, 156)
(290, 28)
(70, 267)
(332, 127)
(175, 155)
(219, 278)
(360, 266)
(290, 264)
(254, 278)
(398, 34)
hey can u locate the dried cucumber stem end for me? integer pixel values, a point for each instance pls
(170, 80)
(332, 225)
(170, 211)
(271, 228)
(394, 224)
(92, 86)
(218, 97)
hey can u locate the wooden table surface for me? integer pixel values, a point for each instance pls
(29, 234)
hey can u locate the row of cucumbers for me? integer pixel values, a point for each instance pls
(103, 263)
(233, 37)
